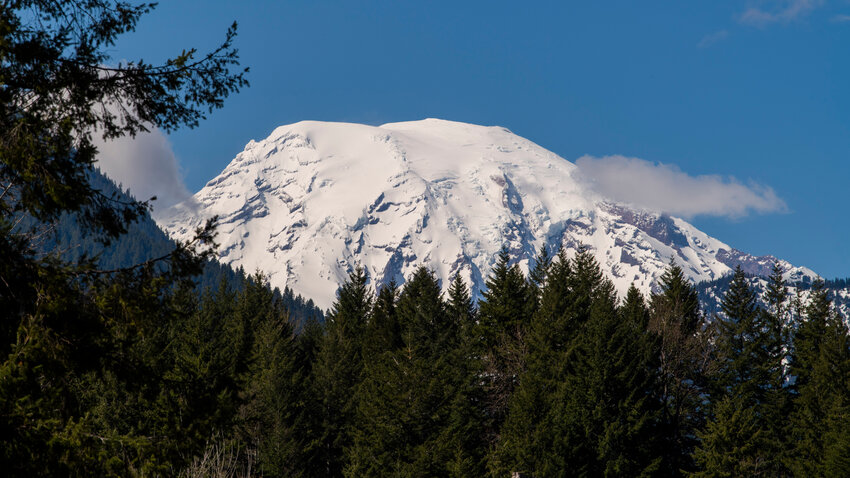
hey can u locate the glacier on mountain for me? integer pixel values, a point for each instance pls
(312, 200)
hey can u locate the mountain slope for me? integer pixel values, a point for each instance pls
(313, 199)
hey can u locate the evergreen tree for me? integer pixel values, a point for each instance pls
(739, 384)
(775, 347)
(382, 331)
(576, 408)
(738, 349)
(834, 370)
(465, 427)
(503, 317)
(505, 304)
(275, 415)
(415, 414)
(209, 360)
(683, 355)
(537, 276)
(731, 442)
(339, 369)
(820, 366)
(461, 309)
(526, 433)
(605, 415)
(810, 335)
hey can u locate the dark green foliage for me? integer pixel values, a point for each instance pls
(738, 347)
(504, 314)
(774, 345)
(339, 369)
(735, 440)
(277, 414)
(152, 376)
(537, 275)
(683, 353)
(105, 372)
(820, 367)
(810, 336)
(526, 432)
(679, 298)
(585, 402)
(58, 91)
(460, 308)
(416, 412)
(383, 331)
(505, 306)
(605, 414)
(731, 441)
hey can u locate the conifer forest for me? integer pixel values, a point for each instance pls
(159, 362)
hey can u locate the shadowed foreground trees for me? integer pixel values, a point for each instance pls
(99, 374)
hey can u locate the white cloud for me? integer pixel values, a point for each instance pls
(841, 18)
(146, 165)
(712, 38)
(666, 188)
(783, 11)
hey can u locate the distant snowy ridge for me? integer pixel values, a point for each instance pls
(314, 198)
(711, 295)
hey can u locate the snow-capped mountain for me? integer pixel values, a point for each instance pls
(313, 199)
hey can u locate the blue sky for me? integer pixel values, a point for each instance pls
(758, 91)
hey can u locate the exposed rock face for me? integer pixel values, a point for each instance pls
(313, 199)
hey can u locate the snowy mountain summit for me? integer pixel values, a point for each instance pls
(313, 199)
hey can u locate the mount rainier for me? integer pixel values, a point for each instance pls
(314, 199)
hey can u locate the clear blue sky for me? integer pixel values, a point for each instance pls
(756, 90)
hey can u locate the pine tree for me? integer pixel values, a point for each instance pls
(537, 275)
(503, 317)
(415, 412)
(275, 416)
(739, 384)
(820, 366)
(551, 315)
(738, 344)
(731, 441)
(461, 309)
(526, 432)
(810, 335)
(382, 331)
(504, 308)
(835, 366)
(683, 351)
(339, 369)
(605, 415)
(575, 408)
(775, 349)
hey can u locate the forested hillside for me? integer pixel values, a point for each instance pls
(66, 239)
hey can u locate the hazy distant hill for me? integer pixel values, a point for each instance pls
(144, 240)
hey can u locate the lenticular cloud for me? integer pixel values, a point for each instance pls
(664, 187)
